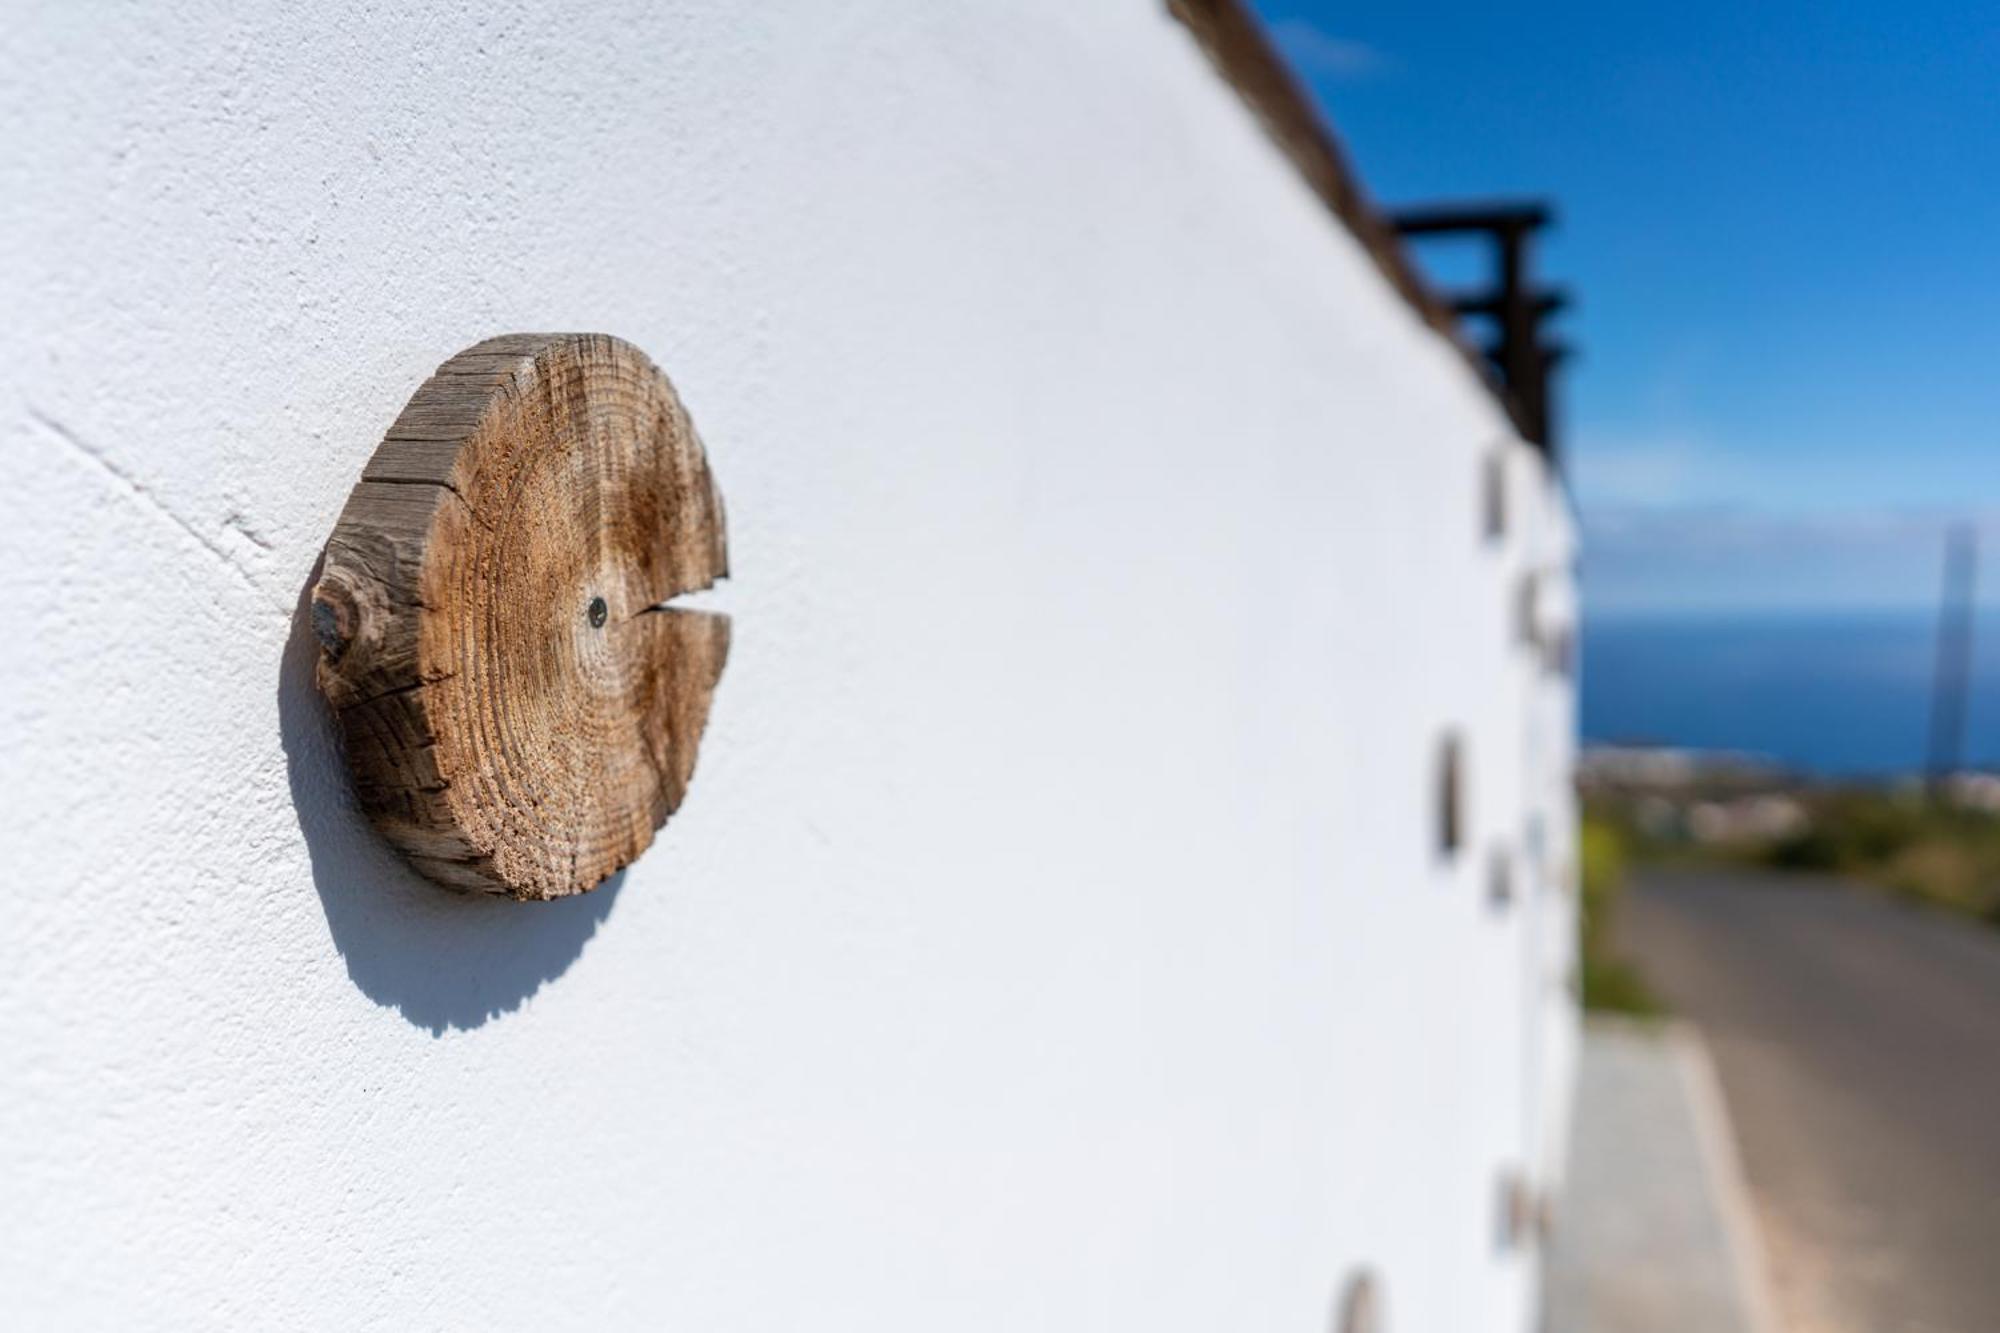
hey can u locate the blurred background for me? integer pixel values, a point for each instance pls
(1776, 221)
(1776, 226)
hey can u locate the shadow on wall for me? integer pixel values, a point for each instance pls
(443, 959)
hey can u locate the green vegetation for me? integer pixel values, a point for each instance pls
(1940, 850)
(1938, 854)
(1610, 984)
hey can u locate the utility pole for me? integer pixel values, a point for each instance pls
(1954, 655)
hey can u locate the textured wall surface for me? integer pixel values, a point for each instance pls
(1054, 935)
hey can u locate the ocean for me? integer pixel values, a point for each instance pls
(1836, 694)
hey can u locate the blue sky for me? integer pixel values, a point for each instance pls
(1782, 223)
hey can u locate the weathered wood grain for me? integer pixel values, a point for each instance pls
(520, 710)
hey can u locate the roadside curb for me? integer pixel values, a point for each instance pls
(1729, 1187)
(1656, 1229)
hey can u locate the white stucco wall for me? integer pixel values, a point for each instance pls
(1053, 937)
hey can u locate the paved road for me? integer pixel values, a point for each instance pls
(1858, 1043)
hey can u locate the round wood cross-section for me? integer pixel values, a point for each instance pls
(520, 709)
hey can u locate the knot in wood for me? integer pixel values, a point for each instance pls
(333, 616)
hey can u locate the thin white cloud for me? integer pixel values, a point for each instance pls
(1776, 473)
(1643, 474)
(1317, 51)
(1663, 470)
(1705, 558)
